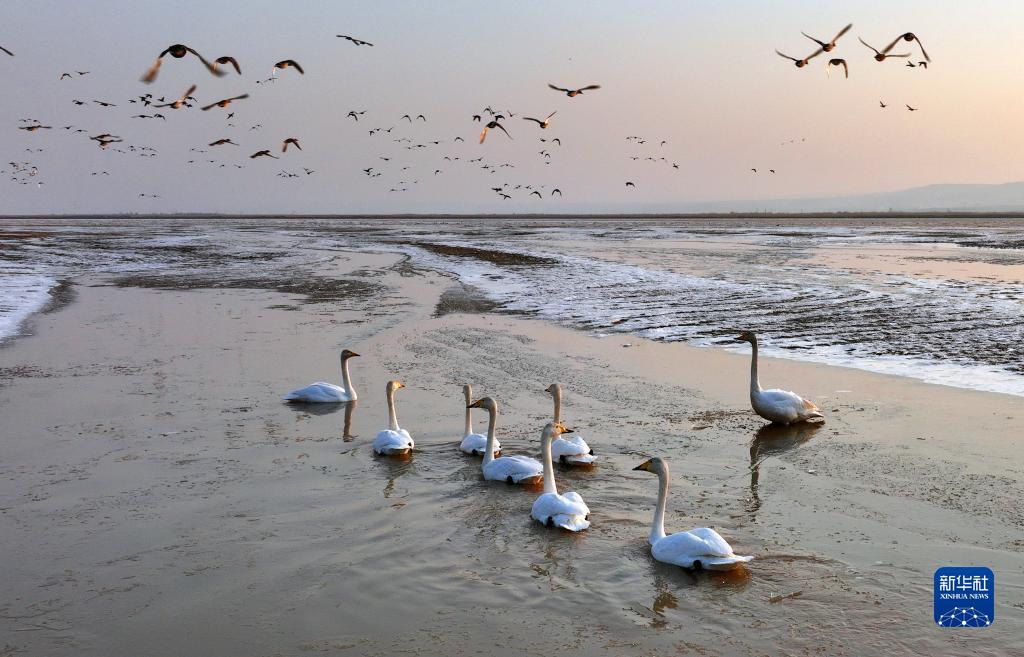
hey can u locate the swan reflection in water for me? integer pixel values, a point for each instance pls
(347, 434)
(772, 440)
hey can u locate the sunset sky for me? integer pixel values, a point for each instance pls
(702, 76)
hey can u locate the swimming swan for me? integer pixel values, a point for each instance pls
(321, 392)
(512, 469)
(568, 450)
(698, 548)
(779, 406)
(567, 511)
(474, 443)
(393, 440)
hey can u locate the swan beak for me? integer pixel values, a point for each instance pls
(352, 354)
(643, 466)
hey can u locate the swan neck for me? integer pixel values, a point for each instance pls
(549, 469)
(557, 394)
(469, 411)
(392, 414)
(755, 385)
(658, 527)
(492, 419)
(346, 379)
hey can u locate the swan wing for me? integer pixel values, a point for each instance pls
(567, 511)
(388, 440)
(319, 392)
(702, 544)
(478, 443)
(517, 467)
(573, 449)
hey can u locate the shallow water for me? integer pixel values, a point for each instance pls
(155, 498)
(939, 301)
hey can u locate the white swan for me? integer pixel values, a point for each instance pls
(567, 511)
(512, 469)
(393, 440)
(321, 392)
(779, 406)
(474, 443)
(698, 548)
(568, 450)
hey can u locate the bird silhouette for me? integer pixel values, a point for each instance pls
(491, 125)
(827, 47)
(228, 60)
(836, 61)
(225, 102)
(287, 63)
(290, 140)
(262, 154)
(177, 104)
(543, 124)
(881, 56)
(177, 51)
(358, 42)
(908, 36)
(572, 93)
(800, 63)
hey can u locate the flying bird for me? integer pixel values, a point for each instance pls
(228, 60)
(907, 36)
(556, 190)
(881, 56)
(800, 63)
(225, 102)
(221, 142)
(837, 61)
(912, 109)
(629, 184)
(492, 124)
(290, 140)
(286, 63)
(33, 128)
(181, 101)
(543, 124)
(358, 42)
(572, 93)
(827, 47)
(882, 105)
(7, 51)
(177, 51)
(262, 154)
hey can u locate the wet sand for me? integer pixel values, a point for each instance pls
(157, 499)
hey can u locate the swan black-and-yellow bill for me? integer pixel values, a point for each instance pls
(327, 393)
(394, 440)
(472, 442)
(702, 547)
(567, 511)
(572, 450)
(780, 406)
(511, 469)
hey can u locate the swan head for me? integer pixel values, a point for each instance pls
(552, 430)
(394, 385)
(746, 336)
(485, 403)
(656, 465)
(553, 389)
(348, 353)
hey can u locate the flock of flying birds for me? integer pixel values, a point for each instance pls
(880, 55)
(490, 119)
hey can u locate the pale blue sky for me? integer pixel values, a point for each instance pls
(701, 75)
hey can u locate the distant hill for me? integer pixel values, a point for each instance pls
(1004, 197)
